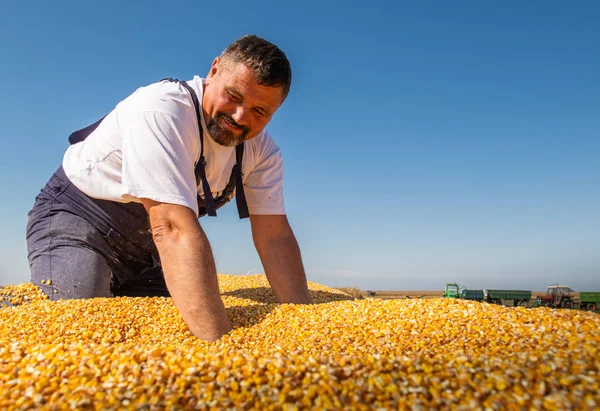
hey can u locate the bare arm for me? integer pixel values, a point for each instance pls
(280, 255)
(189, 268)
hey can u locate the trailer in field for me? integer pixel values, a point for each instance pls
(518, 297)
(474, 295)
(589, 300)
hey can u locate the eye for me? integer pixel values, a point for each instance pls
(260, 112)
(233, 97)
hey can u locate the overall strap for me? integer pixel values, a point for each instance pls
(240, 196)
(200, 169)
(80, 135)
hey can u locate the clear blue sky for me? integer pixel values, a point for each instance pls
(424, 142)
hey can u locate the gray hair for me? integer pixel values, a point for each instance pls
(268, 63)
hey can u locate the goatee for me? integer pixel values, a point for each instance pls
(222, 134)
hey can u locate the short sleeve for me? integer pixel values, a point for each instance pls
(263, 186)
(158, 159)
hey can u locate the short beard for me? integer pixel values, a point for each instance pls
(224, 136)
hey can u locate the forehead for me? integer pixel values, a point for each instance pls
(239, 78)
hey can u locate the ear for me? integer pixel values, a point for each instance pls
(213, 68)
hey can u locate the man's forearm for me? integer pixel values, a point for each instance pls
(283, 266)
(191, 277)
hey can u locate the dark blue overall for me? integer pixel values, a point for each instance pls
(82, 247)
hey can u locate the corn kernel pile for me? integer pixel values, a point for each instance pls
(339, 353)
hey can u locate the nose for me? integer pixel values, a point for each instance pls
(240, 115)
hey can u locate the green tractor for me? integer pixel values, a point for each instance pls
(452, 291)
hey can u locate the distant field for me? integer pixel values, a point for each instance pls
(395, 294)
(387, 294)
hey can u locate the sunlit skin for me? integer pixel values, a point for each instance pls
(235, 107)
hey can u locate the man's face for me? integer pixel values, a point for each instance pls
(235, 107)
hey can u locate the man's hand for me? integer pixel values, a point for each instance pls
(280, 255)
(189, 268)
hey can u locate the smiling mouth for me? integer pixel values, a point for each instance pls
(230, 124)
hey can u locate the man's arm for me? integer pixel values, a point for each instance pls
(280, 256)
(189, 268)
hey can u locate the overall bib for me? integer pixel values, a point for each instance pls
(83, 247)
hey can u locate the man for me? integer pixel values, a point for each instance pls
(120, 216)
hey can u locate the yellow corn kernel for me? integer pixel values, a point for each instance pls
(337, 353)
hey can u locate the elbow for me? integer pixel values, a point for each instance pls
(168, 234)
(164, 232)
(170, 222)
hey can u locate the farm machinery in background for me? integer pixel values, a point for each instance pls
(519, 298)
(557, 296)
(560, 296)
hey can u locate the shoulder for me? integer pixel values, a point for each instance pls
(263, 145)
(263, 156)
(163, 97)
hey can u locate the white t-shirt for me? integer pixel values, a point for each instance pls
(147, 147)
